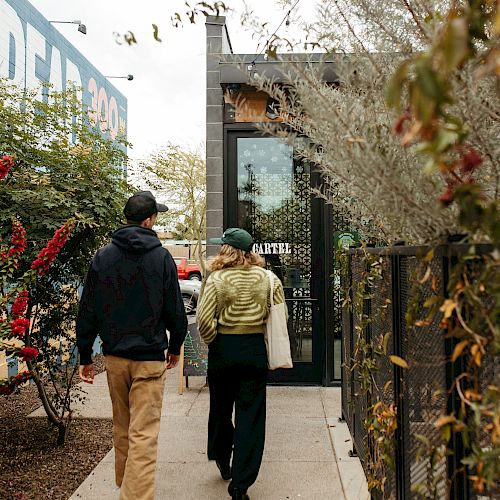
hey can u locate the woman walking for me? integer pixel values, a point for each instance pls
(231, 318)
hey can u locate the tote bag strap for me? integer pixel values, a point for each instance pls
(271, 282)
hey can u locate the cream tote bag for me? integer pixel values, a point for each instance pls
(276, 334)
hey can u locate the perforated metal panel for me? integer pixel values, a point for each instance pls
(424, 383)
(359, 395)
(346, 360)
(381, 330)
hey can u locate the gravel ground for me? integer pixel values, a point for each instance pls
(31, 466)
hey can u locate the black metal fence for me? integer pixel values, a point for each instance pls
(422, 392)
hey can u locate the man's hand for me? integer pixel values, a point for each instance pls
(87, 373)
(171, 360)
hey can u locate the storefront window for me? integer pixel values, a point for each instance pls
(274, 205)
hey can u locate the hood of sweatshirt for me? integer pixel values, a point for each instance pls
(135, 239)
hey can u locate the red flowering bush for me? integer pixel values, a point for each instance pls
(8, 386)
(28, 353)
(20, 305)
(6, 163)
(49, 253)
(17, 247)
(18, 327)
(14, 325)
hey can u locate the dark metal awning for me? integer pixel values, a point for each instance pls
(244, 68)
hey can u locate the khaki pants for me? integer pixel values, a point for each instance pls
(136, 389)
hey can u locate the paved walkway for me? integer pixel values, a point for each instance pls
(305, 455)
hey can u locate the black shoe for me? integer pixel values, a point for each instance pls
(236, 493)
(239, 495)
(225, 470)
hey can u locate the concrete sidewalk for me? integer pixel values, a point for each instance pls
(305, 455)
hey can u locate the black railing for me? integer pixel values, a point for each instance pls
(421, 393)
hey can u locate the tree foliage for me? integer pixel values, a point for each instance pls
(375, 174)
(181, 175)
(64, 170)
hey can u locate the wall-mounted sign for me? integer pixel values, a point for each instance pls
(272, 248)
(33, 52)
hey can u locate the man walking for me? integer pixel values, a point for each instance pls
(130, 298)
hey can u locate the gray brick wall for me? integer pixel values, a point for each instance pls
(217, 44)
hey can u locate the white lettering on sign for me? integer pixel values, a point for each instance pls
(35, 50)
(271, 248)
(12, 43)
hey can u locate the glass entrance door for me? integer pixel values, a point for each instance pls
(270, 196)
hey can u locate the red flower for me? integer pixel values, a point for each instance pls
(18, 327)
(7, 386)
(6, 163)
(470, 161)
(398, 126)
(18, 241)
(48, 254)
(28, 353)
(447, 197)
(20, 305)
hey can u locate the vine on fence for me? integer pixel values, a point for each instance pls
(381, 417)
(468, 314)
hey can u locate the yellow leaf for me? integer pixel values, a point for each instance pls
(447, 308)
(458, 350)
(445, 420)
(496, 26)
(422, 322)
(473, 395)
(477, 358)
(398, 361)
(431, 301)
(429, 256)
(427, 275)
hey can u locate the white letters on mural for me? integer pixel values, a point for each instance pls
(28, 59)
(12, 47)
(74, 78)
(35, 49)
(103, 111)
(55, 78)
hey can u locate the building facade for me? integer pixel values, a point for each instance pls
(33, 52)
(256, 182)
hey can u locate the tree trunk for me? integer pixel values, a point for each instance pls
(61, 434)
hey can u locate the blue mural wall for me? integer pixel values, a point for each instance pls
(32, 51)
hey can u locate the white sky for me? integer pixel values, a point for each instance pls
(166, 99)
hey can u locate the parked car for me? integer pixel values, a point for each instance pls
(187, 270)
(190, 290)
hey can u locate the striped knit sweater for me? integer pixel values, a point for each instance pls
(236, 300)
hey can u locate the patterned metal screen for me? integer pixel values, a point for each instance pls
(274, 205)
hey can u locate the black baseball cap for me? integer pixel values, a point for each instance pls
(142, 205)
(236, 237)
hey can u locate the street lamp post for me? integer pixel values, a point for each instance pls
(81, 27)
(128, 77)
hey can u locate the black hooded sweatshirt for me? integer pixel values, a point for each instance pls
(130, 298)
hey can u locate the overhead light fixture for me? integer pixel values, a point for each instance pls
(128, 77)
(81, 27)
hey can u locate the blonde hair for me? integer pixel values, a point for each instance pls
(232, 257)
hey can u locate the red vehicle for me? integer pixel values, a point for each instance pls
(187, 270)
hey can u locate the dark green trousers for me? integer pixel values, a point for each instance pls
(237, 375)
